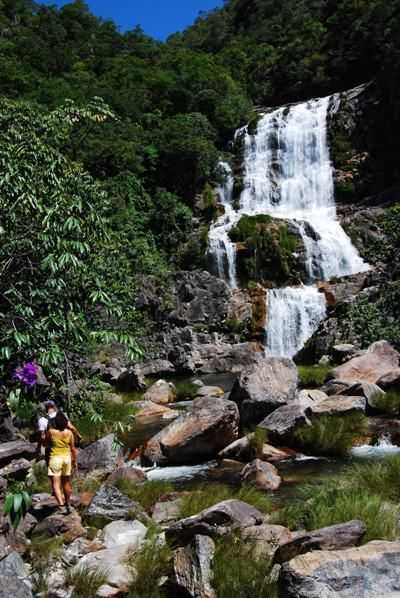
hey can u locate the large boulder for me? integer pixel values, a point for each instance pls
(69, 526)
(16, 470)
(371, 392)
(283, 423)
(133, 474)
(197, 435)
(102, 454)
(370, 571)
(339, 405)
(214, 521)
(14, 580)
(390, 380)
(380, 359)
(111, 561)
(263, 387)
(124, 533)
(334, 537)
(266, 538)
(261, 474)
(161, 392)
(109, 504)
(16, 449)
(192, 574)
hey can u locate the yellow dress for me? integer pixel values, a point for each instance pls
(60, 462)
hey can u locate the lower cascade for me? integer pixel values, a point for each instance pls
(288, 174)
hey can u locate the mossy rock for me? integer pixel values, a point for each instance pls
(269, 250)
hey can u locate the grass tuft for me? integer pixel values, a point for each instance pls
(86, 582)
(39, 480)
(239, 572)
(381, 478)
(111, 417)
(388, 403)
(332, 435)
(208, 495)
(186, 391)
(257, 440)
(153, 562)
(312, 376)
(147, 493)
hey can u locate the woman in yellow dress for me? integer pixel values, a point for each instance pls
(62, 460)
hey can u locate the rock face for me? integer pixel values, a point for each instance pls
(334, 537)
(283, 422)
(102, 454)
(339, 405)
(16, 449)
(197, 435)
(390, 381)
(14, 578)
(369, 571)
(371, 392)
(261, 474)
(193, 568)
(263, 387)
(133, 474)
(161, 392)
(109, 504)
(217, 520)
(380, 359)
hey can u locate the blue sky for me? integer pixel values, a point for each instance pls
(158, 18)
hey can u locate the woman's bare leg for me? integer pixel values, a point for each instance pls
(57, 490)
(67, 488)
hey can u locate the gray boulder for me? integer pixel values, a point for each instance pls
(161, 392)
(16, 449)
(101, 454)
(16, 470)
(197, 435)
(192, 574)
(371, 392)
(339, 405)
(215, 521)
(57, 524)
(283, 422)
(124, 533)
(266, 538)
(334, 537)
(263, 387)
(368, 571)
(261, 474)
(14, 580)
(112, 562)
(380, 359)
(109, 504)
(390, 380)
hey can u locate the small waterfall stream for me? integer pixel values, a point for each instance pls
(288, 174)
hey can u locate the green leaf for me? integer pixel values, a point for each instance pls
(8, 504)
(18, 498)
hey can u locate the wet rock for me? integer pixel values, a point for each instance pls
(16, 449)
(16, 470)
(217, 520)
(239, 450)
(193, 568)
(70, 526)
(267, 385)
(101, 454)
(261, 474)
(371, 392)
(133, 474)
(380, 359)
(283, 422)
(161, 392)
(390, 381)
(369, 571)
(197, 435)
(339, 405)
(266, 538)
(14, 580)
(109, 504)
(334, 537)
(124, 533)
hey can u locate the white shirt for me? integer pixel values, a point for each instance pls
(43, 424)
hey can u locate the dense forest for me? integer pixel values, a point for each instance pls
(134, 128)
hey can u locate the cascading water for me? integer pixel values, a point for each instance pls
(288, 174)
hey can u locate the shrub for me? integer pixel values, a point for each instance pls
(185, 391)
(239, 572)
(257, 439)
(389, 403)
(340, 500)
(208, 495)
(332, 434)
(85, 581)
(152, 563)
(17, 504)
(312, 376)
(109, 416)
(147, 494)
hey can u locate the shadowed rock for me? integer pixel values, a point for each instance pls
(193, 568)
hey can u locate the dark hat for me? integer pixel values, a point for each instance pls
(49, 404)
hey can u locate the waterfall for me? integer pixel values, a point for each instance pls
(288, 174)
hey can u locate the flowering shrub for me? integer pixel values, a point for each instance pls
(27, 374)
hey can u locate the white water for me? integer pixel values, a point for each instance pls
(288, 174)
(384, 448)
(182, 472)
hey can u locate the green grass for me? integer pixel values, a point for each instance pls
(332, 435)
(340, 500)
(210, 494)
(147, 493)
(39, 481)
(111, 417)
(153, 562)
(238, 572)
(312, 376)
(257, 439)
(381, 478)
(89, 483)
(85, 581)
(185, 391)
(388, 403)
(42, 552)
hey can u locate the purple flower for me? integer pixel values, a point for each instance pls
(27, 374)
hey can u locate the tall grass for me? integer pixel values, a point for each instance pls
(238, 572)
(257, 439)
(312, 376)
(331, 434)
(147, 493)
(340, 500)
(86, 582)
(185, 391)
(111, 417)
(209, 495)
(381, 478)
(42, 552)
(153, 562)
(388, 403)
